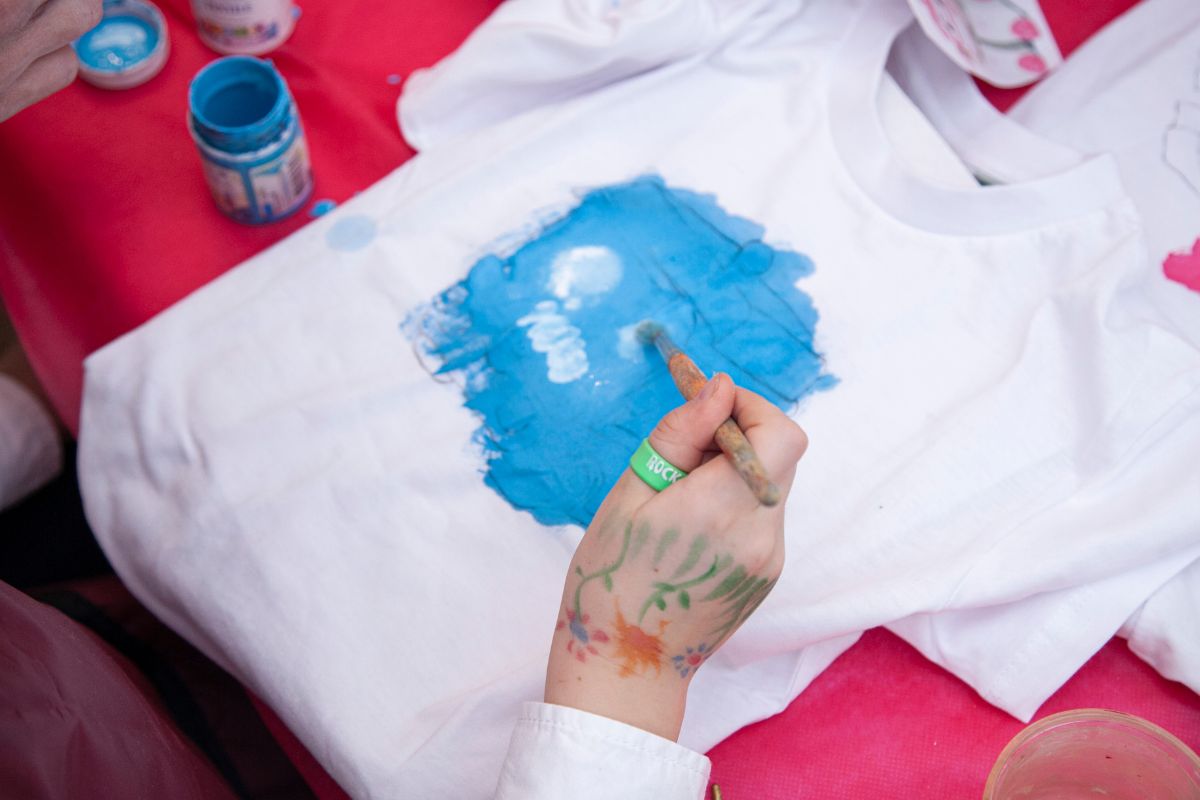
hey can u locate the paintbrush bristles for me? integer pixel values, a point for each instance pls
(650, 332)
(647, 331)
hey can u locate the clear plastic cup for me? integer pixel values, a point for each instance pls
(1095, 754)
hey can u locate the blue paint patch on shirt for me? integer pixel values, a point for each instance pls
(351, 233)
(543, 338)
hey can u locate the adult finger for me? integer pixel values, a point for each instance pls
(44, 77)
(15, 16)
(60, 22)
(683, 436)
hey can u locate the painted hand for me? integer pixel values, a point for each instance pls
(661, 580)
(36, 59)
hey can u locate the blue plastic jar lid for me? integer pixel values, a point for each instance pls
(127, 48)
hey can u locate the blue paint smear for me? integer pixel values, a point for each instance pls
(351, 233)
(545, 351)
(322, 207)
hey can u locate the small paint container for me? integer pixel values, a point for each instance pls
(244, 27)
(252, 146)
(1094, 752)
(127, 48)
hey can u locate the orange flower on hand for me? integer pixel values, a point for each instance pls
(637, 650)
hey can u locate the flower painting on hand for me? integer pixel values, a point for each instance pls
(542, 339)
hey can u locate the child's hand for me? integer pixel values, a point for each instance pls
(661, 580)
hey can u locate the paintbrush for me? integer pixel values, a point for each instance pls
(729, 437)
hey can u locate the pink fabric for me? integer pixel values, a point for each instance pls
(80, 721)
(105, 218)
(885, 722)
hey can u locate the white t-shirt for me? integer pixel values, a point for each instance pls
(272, 468)
(1130, 91)
(1133, 90)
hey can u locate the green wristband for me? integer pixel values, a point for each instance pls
(654, 470)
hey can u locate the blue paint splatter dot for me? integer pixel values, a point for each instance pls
(322, 207)
(351, 233)
(542, 339)
(393, 79)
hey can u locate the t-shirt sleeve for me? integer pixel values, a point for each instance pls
(558, 752)
(533, 53)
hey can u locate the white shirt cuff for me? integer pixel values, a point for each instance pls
(558, 752)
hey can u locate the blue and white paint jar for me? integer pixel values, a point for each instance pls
(127, 48)
(244, 27)
(252, 146)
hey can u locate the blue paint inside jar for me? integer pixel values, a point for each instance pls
(240, 104)
(117, 43)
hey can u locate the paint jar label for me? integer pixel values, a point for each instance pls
(244, 27)
(260, 187)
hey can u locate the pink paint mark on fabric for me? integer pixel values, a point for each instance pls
(1025, 30)
(949, 31)
(1184, 267)
(1032, 63)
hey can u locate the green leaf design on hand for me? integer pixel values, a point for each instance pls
(603, 572)
(738, 610)
(685, 600)
(729, 584)
(662, 589)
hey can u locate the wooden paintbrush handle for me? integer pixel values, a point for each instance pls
(688, 377)
(729, 437)
(733, 443)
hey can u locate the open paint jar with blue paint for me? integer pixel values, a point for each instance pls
(252, 146)
(127, 48)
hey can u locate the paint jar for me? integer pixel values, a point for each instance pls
(244, 27)
(127, 48)
(1090, 753)
(251, 142)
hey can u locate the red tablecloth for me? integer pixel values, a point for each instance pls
(105, 220)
